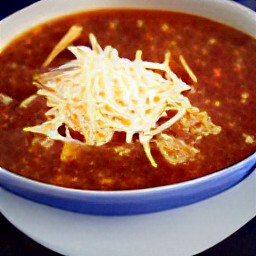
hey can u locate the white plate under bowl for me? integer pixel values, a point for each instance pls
(184, 231)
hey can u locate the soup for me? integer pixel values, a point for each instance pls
(221, 58)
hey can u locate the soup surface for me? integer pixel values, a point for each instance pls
(222, 59)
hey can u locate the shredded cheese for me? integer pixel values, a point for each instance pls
(5, 99)
(25, 103)
(73, 33)
(99, 93)
(248, 138)
(188, 69)
(175, 150)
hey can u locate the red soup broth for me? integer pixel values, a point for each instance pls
(222, 58)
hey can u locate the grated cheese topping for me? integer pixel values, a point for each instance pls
(100, 93)
(73, 33)
(5, 99)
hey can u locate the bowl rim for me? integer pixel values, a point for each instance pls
(59, 190)
(194, 7)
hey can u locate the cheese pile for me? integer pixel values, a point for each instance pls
(99, 93)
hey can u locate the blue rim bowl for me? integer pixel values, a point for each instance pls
(118, 203)
(114, 203)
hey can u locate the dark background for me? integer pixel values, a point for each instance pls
(15, 243)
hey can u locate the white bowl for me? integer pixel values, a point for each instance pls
(136, 233)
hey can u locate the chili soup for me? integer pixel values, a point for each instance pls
(222, 85)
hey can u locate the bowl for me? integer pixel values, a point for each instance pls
(107, 209)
